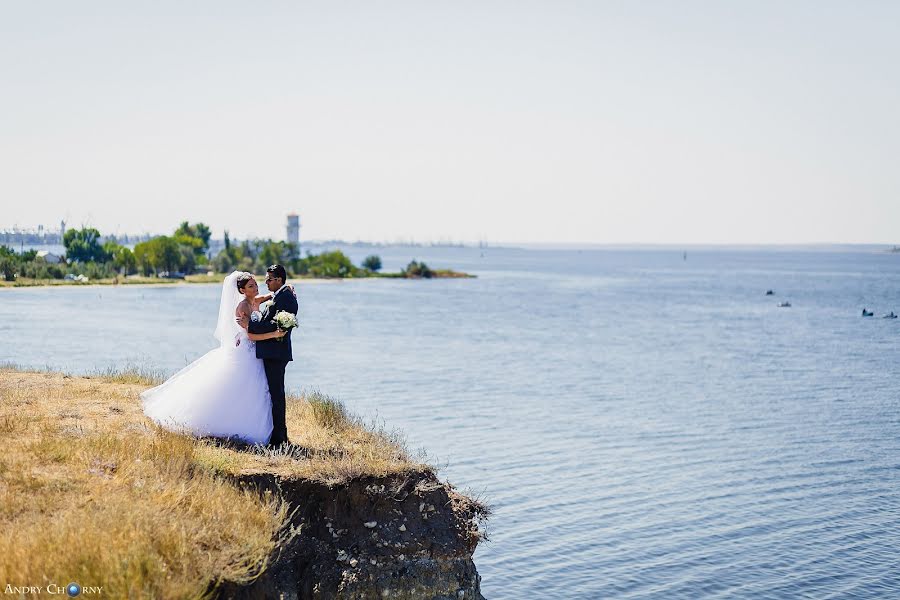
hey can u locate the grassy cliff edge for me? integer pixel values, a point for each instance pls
(92, 491)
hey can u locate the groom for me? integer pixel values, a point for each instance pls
(275, 353)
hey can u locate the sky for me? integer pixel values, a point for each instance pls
(740, 122)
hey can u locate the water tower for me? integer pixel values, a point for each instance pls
(293, 228)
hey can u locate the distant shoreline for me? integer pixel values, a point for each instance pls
(206, 279)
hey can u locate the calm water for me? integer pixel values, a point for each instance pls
(644, 426)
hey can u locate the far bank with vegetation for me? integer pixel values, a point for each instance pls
(184, 256)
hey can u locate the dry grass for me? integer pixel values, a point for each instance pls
(93, 491)
(331, 446)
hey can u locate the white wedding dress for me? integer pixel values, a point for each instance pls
(224, 393)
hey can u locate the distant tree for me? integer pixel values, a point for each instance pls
(143, 258)
(233, 257)
(226, 260)
(418, 269)
(40, 269)
(27, 264)
(121, 257)
(188, 260)
(372, 262)
(246, 250)
(255, 255)
(276, 253)
(190, 245)
(9, 266)
(202, 231)
(193, 243)
(83, 245)
(195, 237)
(110, 247)
(327, 264)
(168, 255)
(222, 263)
(124, 260)
(161, 253)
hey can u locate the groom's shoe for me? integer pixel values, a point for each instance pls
(279, 445)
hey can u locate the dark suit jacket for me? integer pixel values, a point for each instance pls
(274, 349)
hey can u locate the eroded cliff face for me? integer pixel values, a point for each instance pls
(407, 537)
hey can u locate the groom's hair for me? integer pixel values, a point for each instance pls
(278, 271)
(243, 279)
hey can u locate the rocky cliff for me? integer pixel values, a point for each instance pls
(406, 536)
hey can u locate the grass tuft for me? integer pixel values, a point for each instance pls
(328, 412)
(132, 374)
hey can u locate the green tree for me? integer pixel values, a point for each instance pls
(276, 253)
(418, 269)
(161, 253)
(185, 229)
(202, 231)
(233, 257)
(327, 264)
(83, 245)
(143, 258)
(9, 264)
(110, 247)
(372, 262)
(124, 260)
(120, 257)
(193, 242)
(187, 259)
(168, 255)
(199, 231)
(222, 263)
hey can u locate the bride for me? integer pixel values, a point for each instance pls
(224, 393)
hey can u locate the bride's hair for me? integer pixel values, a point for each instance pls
(242, 280)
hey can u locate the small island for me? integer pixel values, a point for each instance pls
(185, 257)
(95, 492)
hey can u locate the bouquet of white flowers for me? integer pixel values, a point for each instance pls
(285, 321)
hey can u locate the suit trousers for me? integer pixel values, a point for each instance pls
(275, 375)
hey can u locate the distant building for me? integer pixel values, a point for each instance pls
(50, 257)
(293, 228)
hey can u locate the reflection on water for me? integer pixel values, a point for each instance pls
(644, 426)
